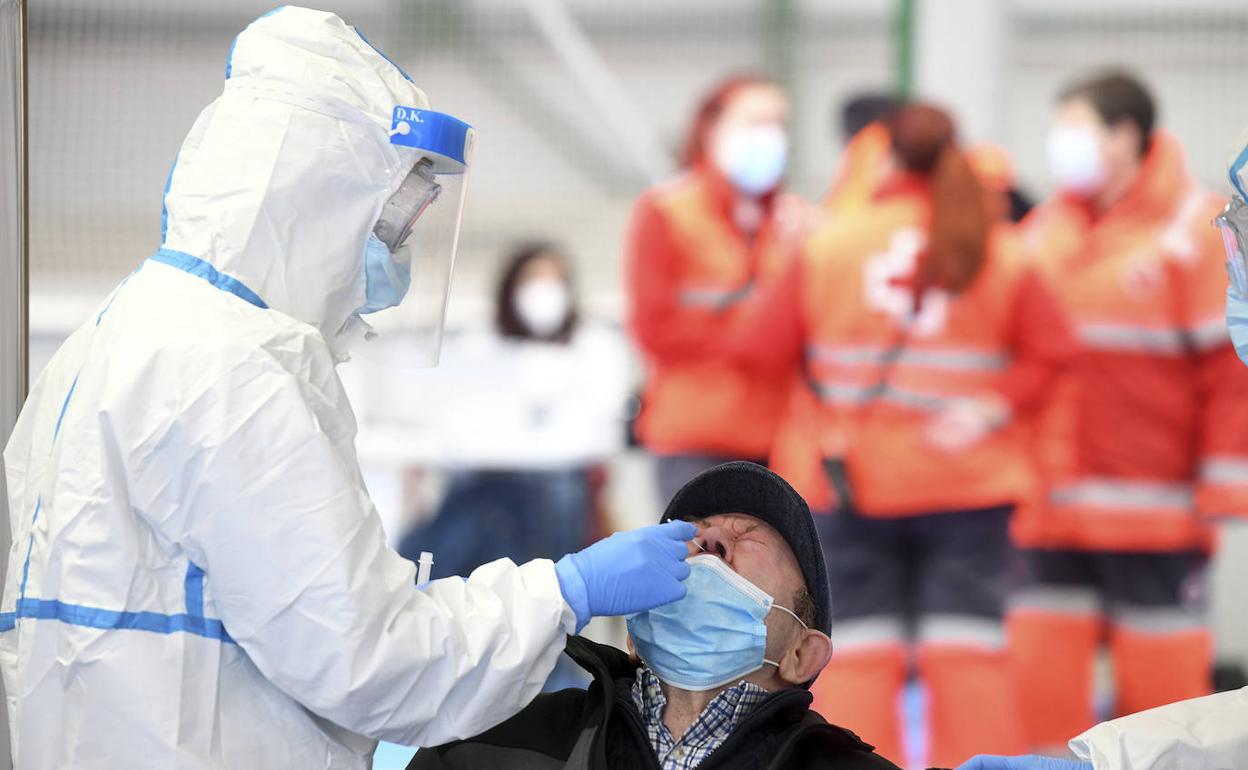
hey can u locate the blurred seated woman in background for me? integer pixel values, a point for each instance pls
(522, 418)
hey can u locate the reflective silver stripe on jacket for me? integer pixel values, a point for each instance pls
(716, 299)
(1128, 338)
(1220, 469)
(1120, 493)
(867, 632)
(949, 358)
(1081, 601)
(1156, 620)
(1209, 335)
(962, 630)
(844, 393)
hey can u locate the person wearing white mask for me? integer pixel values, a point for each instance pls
(198, 577)
(519, 420)
(1208, 732)
(525, 415)
(696, 250)
(1148, 450)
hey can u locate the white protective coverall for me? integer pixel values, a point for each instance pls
(198, 578)
(1209, 733)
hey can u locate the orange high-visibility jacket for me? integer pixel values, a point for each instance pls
(864, 166)
(853, 294)
(1152, 438)
(689, 272)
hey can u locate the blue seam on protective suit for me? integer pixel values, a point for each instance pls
(201, 269)
(97, 617)
(34, 519)
(1239, 163)
(194, 590)
(55, 433)
(61, 417)
(229, 58)
(164, 198)
(191, 622)
(406, 76)
(30, 544)
(111, 299)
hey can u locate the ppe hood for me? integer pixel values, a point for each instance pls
(282, 178)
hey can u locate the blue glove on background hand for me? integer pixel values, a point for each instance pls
(986, 762)
(628, 572)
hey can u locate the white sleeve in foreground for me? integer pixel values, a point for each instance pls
(257, 481)
(1209, 733)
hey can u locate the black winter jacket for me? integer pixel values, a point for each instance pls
(601, 729)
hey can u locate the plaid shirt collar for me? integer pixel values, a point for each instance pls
(712, 727)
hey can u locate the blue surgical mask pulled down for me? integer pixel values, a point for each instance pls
(753, 158)
(714, 636)
(1237, 323)
(386, 279)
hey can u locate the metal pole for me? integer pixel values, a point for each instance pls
(904, 51)
(780, 41)
(14, 259)
(601, 89)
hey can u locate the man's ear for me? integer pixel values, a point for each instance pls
(807, 658)
(632, 651)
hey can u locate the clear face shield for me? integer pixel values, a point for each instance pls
(420, 224)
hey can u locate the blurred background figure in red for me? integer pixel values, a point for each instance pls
(697, 248)
(866, 160)
(929, 343)
(1149, 452)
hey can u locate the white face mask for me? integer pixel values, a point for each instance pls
(1075, 159)
(543, 305)
(752, 158)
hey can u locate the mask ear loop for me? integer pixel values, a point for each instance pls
(795, 617)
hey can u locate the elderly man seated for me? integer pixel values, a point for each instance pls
(717, 679)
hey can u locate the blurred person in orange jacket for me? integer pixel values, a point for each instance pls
(867, 158)
(995, 171)
(796, 450)
(696, 249)
(928, 342)
(1151, 445)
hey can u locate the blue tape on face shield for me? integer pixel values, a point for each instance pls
(713, 636)
(386, 278)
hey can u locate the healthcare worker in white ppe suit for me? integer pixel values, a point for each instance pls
(198, 577)
(1209, 733)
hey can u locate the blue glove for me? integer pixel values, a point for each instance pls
(628, 572)
(986, 762)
